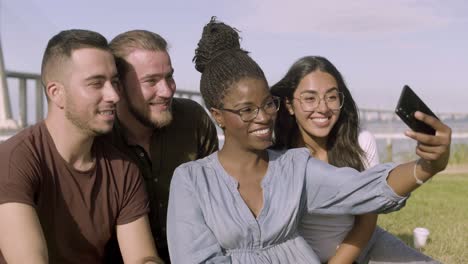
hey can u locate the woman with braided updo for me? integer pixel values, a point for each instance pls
(243, 203)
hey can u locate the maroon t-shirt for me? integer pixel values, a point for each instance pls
(78, 210)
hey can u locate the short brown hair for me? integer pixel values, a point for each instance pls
(124, 43)
(61, 46)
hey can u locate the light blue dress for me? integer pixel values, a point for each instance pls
(209, 222)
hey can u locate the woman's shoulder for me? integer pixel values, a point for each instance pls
(369, 146)
(288, 153)
(199, 173)
(365, 136)
(198, 165)
(292, 157)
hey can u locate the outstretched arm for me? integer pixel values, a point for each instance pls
(21, 239)
(382, 188)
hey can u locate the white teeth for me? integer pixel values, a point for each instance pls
(323, 119)
(261, 132)
(110, 112)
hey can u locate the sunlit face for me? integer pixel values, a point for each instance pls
(318, 123)
(90, 90)
(248, 93)
(149, 87)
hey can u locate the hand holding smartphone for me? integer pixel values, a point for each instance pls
(407, 105)
(433, 150)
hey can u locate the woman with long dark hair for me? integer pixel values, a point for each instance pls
(319, 113)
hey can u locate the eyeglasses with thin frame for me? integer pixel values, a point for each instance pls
(249, 113)
(334, 100)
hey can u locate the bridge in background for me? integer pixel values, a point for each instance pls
(30, 98)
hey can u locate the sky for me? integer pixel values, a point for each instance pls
(377, 45)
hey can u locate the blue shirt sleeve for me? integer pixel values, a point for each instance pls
(189, 238)
(331, 190)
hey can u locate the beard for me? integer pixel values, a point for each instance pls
(163, 119)
(82, 123)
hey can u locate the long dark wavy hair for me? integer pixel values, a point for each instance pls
(343, 149)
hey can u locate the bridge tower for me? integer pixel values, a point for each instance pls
(6, 121)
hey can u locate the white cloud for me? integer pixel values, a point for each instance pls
(338, 17)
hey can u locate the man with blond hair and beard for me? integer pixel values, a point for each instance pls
(63, 190)
(160, 132)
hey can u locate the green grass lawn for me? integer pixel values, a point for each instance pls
(441, 205)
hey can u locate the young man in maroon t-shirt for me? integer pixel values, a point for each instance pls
(63, 190)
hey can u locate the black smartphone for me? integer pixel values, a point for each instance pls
(407, 105)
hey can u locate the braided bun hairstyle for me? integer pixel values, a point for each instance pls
(221, 62)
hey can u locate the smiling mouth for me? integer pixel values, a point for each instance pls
(165, 102)
(321, 120)
(261, 132)
(107, 112)
(161, 105)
